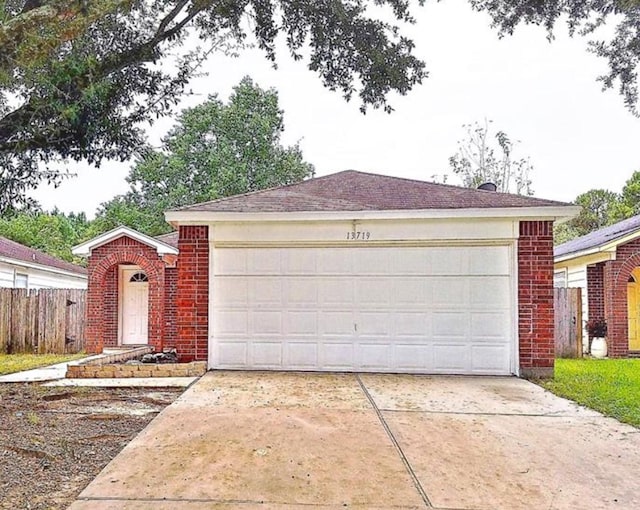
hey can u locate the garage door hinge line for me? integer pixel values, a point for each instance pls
(395, 443)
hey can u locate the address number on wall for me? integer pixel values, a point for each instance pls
(358, 235)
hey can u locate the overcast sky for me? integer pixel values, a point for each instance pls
(543, 94)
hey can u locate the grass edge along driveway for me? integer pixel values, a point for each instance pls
(11, 363)
(609, 386)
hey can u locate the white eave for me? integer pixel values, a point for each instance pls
(87, 247)
(41, 267)
(556, 213)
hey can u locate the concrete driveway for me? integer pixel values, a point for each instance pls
(315, 441)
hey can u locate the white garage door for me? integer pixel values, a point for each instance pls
(382, 309)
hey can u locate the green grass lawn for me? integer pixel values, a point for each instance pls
(610, 386)
(10, 363)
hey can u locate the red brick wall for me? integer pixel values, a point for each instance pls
(170, 309)
(535, 298)
(193, 293)
(616, 275)
(110, 300)
(102, 295)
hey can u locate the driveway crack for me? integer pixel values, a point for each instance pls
(394, 441)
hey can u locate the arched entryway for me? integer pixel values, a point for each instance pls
(633, 309)
(133, 306)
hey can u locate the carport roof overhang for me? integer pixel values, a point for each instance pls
(552, 213)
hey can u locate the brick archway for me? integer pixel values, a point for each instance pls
(616, 304)
(102, 298)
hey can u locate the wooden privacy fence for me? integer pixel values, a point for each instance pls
(568, 322)
(45, 321)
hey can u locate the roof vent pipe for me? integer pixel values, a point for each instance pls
(488, 186)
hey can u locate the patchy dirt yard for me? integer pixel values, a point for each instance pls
(54, 441)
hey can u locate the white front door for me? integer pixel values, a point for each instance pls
(134, 306)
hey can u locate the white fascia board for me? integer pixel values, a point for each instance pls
(593, 255)
(84, 249)
(524, 213)
(42, 267)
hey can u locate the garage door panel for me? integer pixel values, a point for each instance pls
(454, 324)
(336, 292)
(416, 309)
(412, 357)
(372, 261)
(301, 324)
(413, 293)
(490, 326)
(267, 322)
(374, 356)
(408, 324)
(230, 354)
(489, 292)
(489, 260)
(449, 261)
(300, 261)
(373, 324)
(230, 262)
(265, 291)
(335, 261)
(332, 323)
(265, 353)
(489, 358)
(231, 292)
(337, 356)
(451, 357)
(264, 261)
(450, 292)
(373, 293)
(301, 355)
(301, 293)
(231, 323)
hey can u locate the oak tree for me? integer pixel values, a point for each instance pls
(80, 78)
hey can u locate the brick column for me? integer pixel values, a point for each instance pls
(596, 291)
(535, 299)
(192, 303)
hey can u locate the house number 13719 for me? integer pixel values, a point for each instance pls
(358, 235)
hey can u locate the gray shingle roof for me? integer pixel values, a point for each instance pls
(599, 237)
(171, 238)
(359, 191)
(12, 250)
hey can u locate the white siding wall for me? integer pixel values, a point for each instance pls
(40, 278)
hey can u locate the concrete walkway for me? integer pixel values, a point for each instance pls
(319, 441)
(48, 373)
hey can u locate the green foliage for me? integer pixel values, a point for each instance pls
(54, 233)
(597, 210)
(629, 201)
(621, 50)
(79, 78)
(601, 208)
(214, 150)
(478, 162)
(609, 386)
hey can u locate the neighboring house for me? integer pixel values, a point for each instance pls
(605, 264)
(26, 268)
(347, 272)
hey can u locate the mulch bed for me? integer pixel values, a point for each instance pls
(54, 441)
